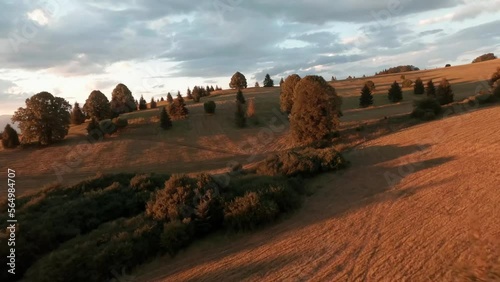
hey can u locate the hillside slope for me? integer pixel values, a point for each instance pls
(417, 205)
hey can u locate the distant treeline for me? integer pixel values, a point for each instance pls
(398, 69)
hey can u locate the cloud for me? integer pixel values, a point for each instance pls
(474, 9)
(436, 20)
(431, 32)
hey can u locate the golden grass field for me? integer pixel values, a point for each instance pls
(435, 215)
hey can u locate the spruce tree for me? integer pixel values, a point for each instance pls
(366, 98)
(77, 116)
(431, 89)
(239, 97)
(419, 88)
(239, 115)
(207, 90)
(444, 93)
(212, 88)
(268, 82)
(189, 95)
(169, 98)
(196, 94)
(178, 108)
(10, 139)
(142, 103)
(281, 81)
(165, 121)
(257, 84)
(395, 93)
(161, 99)
(152, 104)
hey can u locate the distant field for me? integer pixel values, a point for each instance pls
(210, 142)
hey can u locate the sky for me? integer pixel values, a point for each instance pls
(70, 48)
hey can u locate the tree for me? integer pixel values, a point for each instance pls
(430, 90)
(282, 81)
(444, 93)
(45, 119)
(207, 90)
(178, 108)
(169, 98)
(239, 115)
(97, 106)
(122, 100)
(161, 99)
(92, 127)
(239, 97)
(152, 104)
(142, 103)
(251, 108)
(447, 66)
(165, 121)
(257, 84)
(268, 82)
(315, 111)
(366, 98)
(395, 93)
(418, 88)
(196, 94)
(286, 95)
(484, 57)
(212, 88)
(238, 80)
(77, 116)
(10, 139)
(209, 107)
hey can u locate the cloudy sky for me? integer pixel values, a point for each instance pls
(70, 48)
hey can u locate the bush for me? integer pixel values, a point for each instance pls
(444, 93)
(249, 212)
(494, 77)
(407, 83)
(107, 126)
(418, 88)
(423, 108)
(484, 57)
(239, 116)
(209, 107)
(176, 235)
(251, 108)
(305, 161)
(430, 90)
(286, 95)
(165, 121)
(10, 139)
(120, 122)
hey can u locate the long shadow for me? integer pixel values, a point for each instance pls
(337, 198)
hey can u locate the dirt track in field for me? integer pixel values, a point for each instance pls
(417, 205)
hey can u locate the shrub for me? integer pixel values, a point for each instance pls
(305, 161)
(366, 98)
(444, 93)
(418, 88)
(494, 77)
(316, 110)
(249, 212)
(423, 108)
(484, 57)
(209, 107)
(165, 121)
(251, 108)
(239, 116)
(407, 83)
(395, 93)
(107, 126)
(176, 235)
(430, 90)
(239, 97)
(120, 122)
(93, 129)
(10, 139)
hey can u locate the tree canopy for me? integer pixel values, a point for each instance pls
(238, 80)
(122, 100)
(97, 106)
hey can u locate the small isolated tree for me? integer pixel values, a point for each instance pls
(152, 104)
(444, 93)
(366, 98)
(165, 121)
(169, 98)
(251, 108)
(281, 81)
(10, 139)
(286, 95)
(178, 108)
(209, 107)
(447, 66)
(239, 115)
(484, 57)
(142, 103)
(315, 111)
(161, 99)
(189, 94)
(257, 84)
(196, 94)
(268, 82)
(371, 85)
(430, 90)
(122, 100)
(238, 80)
(44, 119)
(77, 116)
(97, 106)
(419, 88)
(395, 93)
(239, 97)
